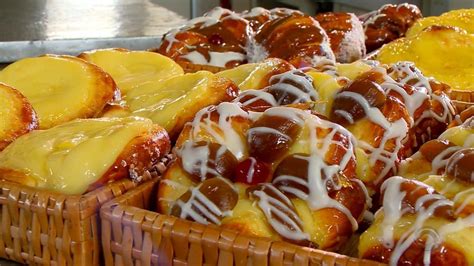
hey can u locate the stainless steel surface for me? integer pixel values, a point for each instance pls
(34, 27)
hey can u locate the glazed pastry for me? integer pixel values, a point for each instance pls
(293, 87)
(256, 75)
(66, 158)
(284, 174)
(217, 39)
(388, 23)
(61, 88)
(346, 35)
(16, 115)
(445, 163)
(386, 110)
(130, 69)
(173, 102)
(454, 68)
(257, 16)
(418, 226)
(460, 18)
(297, 38)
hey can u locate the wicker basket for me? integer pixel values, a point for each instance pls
(132, 235)
(42, 227)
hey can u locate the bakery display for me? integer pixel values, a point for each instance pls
(388, 23)
(275, 125)
(65, 158)
(61, 88)
(17, 116)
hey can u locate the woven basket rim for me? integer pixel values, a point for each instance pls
(119, 205)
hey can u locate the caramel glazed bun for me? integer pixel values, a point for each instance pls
(226, 39)
(388, 23)
(283, 173)
(391, 110)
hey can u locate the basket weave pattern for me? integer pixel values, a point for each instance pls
(131, 235)
(42, 227)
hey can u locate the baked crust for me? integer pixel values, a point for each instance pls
(17, 115)
(61, 88)
(147, 144)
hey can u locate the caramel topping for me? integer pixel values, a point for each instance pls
(461, 165)
(211, 201)
(368, 89)
(433, 148)
(280, 212)
(219, 161)
(270, 137)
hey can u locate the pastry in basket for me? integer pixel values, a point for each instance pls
(256, 75)
(173, 102)
(61, 88)
(444, 53)
(283, 173)
(418, 226)
(346, 35)
(133, 68)
(297, 38)
(388, 23)
(460, 18)
(390, 112)
(445, 163)
(217, 39)
(17, 116)
(82, 154)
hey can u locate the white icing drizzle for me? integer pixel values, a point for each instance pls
(320, 173)
(396, 131)
(273, 207)
(218, 59)
(405, 72)
(222, 131)
(280, 82)
(393, 212)
(207, 210)
(256, 95)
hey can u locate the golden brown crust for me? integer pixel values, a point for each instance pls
(138, 157)
(20, 116)
(222, 90)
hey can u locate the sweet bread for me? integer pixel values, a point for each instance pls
(296, 38)
(222, 38)
(61, 88)
(389, 112)
(454, 68)
(418, 226)
(218, 39)
(346, 35)
(130, 69)
(433, 163)
(388, 23)
(460, 18)
(16, 115)
(283, 173)
(173, 102)
(65, 158)
(256, 76)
